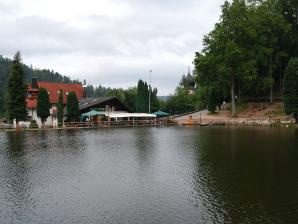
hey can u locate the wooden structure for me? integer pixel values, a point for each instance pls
(108, 104)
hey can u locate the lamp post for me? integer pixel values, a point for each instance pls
(150, 71)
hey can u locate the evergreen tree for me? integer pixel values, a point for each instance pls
(43, 105)
(290, 90)
(28, 72)
(142, 98)
(60, 108)
(17, 90)
(72, 106)
(154, 100)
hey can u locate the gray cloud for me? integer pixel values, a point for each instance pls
(115, 51)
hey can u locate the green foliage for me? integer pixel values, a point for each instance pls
(130, 96)
(142, 97)
(202, 94)
(181, 102)
(43, 105)
(212, 102)
(155, 104)
(289, 10)
(272, 38)
(16, 101)
(291, 88)
(5, 70)
(248, 50)
(98, 91)
(228, 49)
(28, 72)
(119, 93)
(60, 108)
(72, 107)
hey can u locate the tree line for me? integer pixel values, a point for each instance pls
(45, 75)
(245, 56)
(136, 98)
(17, 93)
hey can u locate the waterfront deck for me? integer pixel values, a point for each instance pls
(104, 124)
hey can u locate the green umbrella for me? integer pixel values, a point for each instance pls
(92, 113)
(161, 113)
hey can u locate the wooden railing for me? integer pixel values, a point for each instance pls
(235, 121)
(120, 123)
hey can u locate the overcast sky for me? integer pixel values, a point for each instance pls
(109, 42)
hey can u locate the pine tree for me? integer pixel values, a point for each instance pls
(60, 108)
(72, 107)
(290, 92)
(154, 100)
(43, 105)
(16, 100)
(142, 97)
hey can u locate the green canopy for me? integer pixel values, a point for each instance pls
(92, 113)
(161, 113)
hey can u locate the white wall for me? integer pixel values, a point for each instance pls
(51, 121)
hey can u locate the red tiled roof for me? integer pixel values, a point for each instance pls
(53, 89)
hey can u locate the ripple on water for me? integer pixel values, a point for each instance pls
(149, 175)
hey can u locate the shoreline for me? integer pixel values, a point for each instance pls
(215, 124)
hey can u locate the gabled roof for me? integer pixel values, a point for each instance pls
(53, 90)
(93, 102)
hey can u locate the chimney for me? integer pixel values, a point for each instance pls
(34, 84)
(85, 91)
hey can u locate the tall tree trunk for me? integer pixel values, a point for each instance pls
(233, 95)
(280, 78)
(271, 81)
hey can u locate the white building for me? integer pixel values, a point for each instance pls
(53, 91)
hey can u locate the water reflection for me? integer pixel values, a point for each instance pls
(17, 177)
(144, 146)
(250, 176)
(150, 175)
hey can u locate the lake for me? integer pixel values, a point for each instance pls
(150, 175)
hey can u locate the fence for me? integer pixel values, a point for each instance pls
(120, 123)
(235, 121)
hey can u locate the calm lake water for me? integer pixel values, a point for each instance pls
(150, 175)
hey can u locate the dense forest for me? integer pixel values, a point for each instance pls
(245, 55)
(41, 74)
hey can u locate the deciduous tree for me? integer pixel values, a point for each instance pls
(228, 55)
(290, 90)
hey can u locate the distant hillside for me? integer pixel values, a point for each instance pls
(163, 98)
(42, 75)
